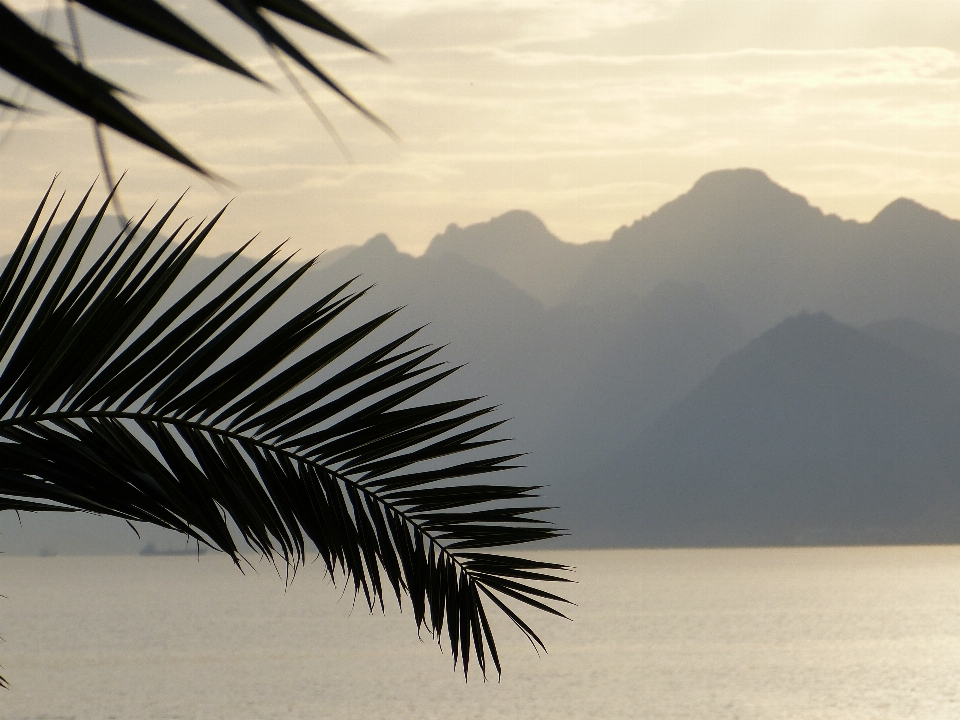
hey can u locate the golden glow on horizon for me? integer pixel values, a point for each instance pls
(590, 113)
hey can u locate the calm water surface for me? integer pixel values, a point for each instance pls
(769, 634)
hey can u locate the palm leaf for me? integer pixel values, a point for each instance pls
(37, 60)
(152, 19)
(124, 393)
(11, 104)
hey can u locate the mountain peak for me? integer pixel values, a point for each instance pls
(380, 244)
(742, 177)
(520, 220)
(815, 432)
(519, 247)
(904, 212)
(735, 198)
(806, 339)
(737, 226)
(733, 187)
(514, 230)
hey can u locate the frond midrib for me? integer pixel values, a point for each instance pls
(195, 425)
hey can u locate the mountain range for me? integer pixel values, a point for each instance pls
(736, 368)
(814, 433)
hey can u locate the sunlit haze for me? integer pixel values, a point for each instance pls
(589, 113)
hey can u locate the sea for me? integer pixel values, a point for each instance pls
(752, 634)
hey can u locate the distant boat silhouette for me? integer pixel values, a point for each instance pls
(151, 550)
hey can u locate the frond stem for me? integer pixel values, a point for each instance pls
(141, 417)
(97, 126)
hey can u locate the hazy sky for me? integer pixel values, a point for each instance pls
(590, 113)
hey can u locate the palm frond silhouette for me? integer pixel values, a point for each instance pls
(39, 60)
(123, 393)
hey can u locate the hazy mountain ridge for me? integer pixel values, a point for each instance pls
(559, 372)
(596, 350)
(648, 315)
(766, 254)
(763, 252)
(518, 246)
(815, 432)
(936, 346)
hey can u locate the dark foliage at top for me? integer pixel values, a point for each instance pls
(39, 61)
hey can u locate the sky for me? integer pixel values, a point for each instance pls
(589, 113)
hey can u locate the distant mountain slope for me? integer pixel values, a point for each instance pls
(939, 347)
(578, 382)
(576, 379)
(518, 246)
(735, 232)
(597, 351)
(640, 358)
(766, 253)
(815, 432)
(472, 308)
